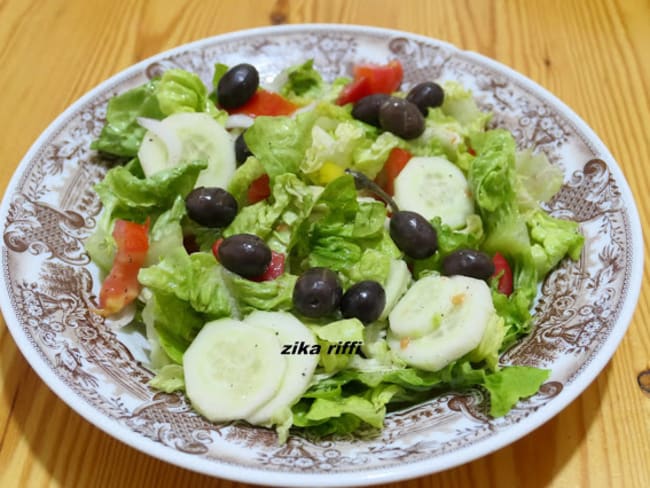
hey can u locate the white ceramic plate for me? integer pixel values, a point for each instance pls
(48, 285)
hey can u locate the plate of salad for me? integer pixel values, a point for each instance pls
(319, 255)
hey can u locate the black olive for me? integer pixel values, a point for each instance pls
(242, 152)
(367, 109)
(364, 300)
(317, 293)
(413, 234)
(237, 86)
(468, 262)
(245, 254)
(401, 117)
(425, 95)
(211, 207)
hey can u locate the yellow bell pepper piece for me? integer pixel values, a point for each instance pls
(329, 172)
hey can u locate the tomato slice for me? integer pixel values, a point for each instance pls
(215, 248)
(502, 269)
(275, 268)
(264, 102)
(370, 79)
(384, 78)
(397, 159)
(121, 285)
(354, 91)
(259, 189)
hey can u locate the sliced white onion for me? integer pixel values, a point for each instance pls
(122, 318)
(304, 109)
(167, 136)
(239, 121)
(278, 82)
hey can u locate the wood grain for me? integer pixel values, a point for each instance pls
(594, 55)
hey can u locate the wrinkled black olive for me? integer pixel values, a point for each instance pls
(367, 109)
(468, 262)
(425, 95)
(401, 117)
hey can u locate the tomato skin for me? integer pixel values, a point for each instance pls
(384, 78)
(215, 248)
(264, 102)
(397, 160)
(501, 267)
(259, 189)
(370, 79)
(121, 285)
(354, 91)
(275, 268)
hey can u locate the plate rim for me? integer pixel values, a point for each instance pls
(409, 470)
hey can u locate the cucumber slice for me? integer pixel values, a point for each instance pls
(439, 320)
(434, 187)
(231, 369)
(398, 281)
(184, 137)
(300, 367)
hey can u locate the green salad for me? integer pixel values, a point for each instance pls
(312, 255)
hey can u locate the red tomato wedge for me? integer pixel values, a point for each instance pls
(501, 267)
(354, 91)
(259, 189)
(275, 268)
(370, 79)
(215, 248)
(264, 102)
(397, 159)
(384, 78)
(121, 285)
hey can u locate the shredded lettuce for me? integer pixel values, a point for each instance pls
(314, 217)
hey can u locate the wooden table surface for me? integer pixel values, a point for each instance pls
(594, 55)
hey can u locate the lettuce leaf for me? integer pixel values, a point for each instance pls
(340, 229)
(193, 278)
(278, 218)
(176, 91)
(169, 378)
(330, 335)
(122, 135)
(279, 143)
(552, 239)
(354, 398)
(270, 295)
(509, 385)
(460, 104)
(304, 83)
(127, 195)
